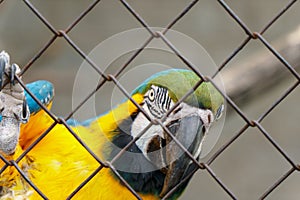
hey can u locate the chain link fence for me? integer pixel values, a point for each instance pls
(205, 167)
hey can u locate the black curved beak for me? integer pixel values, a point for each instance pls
(189, 131)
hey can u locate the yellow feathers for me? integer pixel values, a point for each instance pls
(58, 164)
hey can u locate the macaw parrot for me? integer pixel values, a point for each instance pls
(152, 165)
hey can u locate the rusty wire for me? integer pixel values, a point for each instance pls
(249, 123)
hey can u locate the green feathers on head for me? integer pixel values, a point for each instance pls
(179, 82)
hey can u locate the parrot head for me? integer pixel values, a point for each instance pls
(189, 123)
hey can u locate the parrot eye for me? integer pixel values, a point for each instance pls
(151, 95)
(158, 101)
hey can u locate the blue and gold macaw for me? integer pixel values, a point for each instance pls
(152, 166)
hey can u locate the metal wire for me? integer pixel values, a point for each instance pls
(249, 123)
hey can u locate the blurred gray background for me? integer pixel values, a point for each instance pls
(251, 164)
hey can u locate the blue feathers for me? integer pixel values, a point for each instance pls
(42, 90)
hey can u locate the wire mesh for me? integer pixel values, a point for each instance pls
(249, 123)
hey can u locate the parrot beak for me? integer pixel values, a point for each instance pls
(189, 131)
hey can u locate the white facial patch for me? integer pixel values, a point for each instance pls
(139, 124)
(158, 101)
(183, 110)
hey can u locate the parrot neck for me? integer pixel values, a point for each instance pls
(133, 166)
